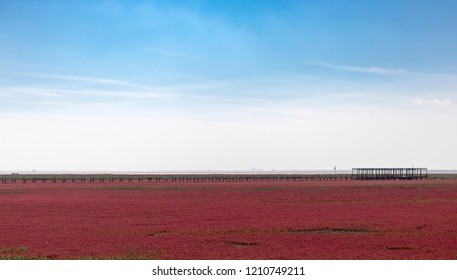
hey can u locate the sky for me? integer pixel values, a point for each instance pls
(227, 85)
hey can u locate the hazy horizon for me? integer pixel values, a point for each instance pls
(253, 171)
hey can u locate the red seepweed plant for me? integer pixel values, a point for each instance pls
(230, 220)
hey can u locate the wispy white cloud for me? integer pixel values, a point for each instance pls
(370, 70)
(17, 92)
(93, 80)
(376, 70)
(75, 94)
(434, 101)
(168, 52)
(28, 64)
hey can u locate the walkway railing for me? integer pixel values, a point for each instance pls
(170, 178)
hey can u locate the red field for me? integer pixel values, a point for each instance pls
(263, 220)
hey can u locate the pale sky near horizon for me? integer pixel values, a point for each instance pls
(227, 85)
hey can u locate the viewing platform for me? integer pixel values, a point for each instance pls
(389, 173)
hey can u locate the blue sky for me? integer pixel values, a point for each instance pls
(243, 68)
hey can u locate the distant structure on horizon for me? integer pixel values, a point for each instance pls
(389, 173)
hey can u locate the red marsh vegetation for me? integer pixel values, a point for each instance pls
(230, 220)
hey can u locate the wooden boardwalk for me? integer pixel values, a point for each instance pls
(357, 174)
(170, 178)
